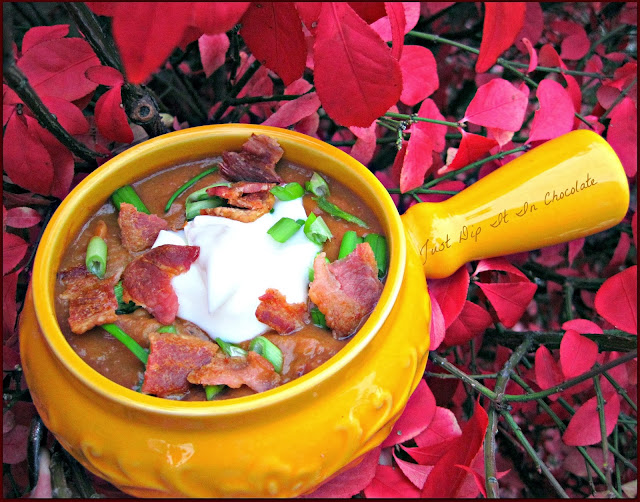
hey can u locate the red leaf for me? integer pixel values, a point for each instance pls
(533, 56)
(584, 426)
(365, 145)
(509, 299)
(451, 293)
(415, 473)
(582, 326)
(411, 14)
(13, 250)
(273, 33)
(472, 321)
(619, 254)
(498, 263)
(111, 118)
(437, 329)
(444, 481)
(9, 307)
(497, 104)
(25, 160)
(390, 483)
(417, 160)
(479, 479)
(547, 370)
(103, 8)
(576, 44)
(61, 158)
(56, 68)
(415, 418)
(370, 78)
(293, 111)
(309, 12)
(577, 354)
(617, 300)
(22, 217)
(14, 445)
(213, 51)
(349, 482)
(419, 74)
(555, 115)
(574, 248)
(532, 29)
(217, 17)
(472, 147)
(68, 114)
(443, 427)
(39, 34)
(369, 11)
(437, 132)
(105, 75)
(502, 23)
(158, 28)
(395, 13)
(623, 135)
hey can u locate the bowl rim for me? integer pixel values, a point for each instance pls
(43, 279)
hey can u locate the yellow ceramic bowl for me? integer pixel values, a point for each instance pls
(287, 441)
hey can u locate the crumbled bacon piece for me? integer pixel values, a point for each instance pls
(139, 325)
(347, 289)
(147, 279)
(256, 161)
(275, 312)
(250, 200)
(92, 301)
(171, 358)
(139, 230)
(253, 370)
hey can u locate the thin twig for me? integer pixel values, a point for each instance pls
(619, 98)
(246, 76)
(415, 118)
(250, 100)
(603, 433)
(441, 361)
(542, 272)
(619, 389)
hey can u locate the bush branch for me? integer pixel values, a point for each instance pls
(603, 433)
(442, 362)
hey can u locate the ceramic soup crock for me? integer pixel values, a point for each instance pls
(289, 440)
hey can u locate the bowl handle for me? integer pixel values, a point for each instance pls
(564, 189)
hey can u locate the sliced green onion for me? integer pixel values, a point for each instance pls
(167, 329)
(128, 194)
(202, 193)
(269, 351)
(290, 191)
(311, 272)
(123, 308)
(317, 186)
(349, 242)
(130, 343)
(317, 230)
(379, 246)
(96, 260)
(192, 209)
(284, 229)
(318, 318)
(188, 185)
(213, 390)
(336, 212)
(230, 349)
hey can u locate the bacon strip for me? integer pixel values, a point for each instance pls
(253, 370)
(171, 358)
(139, 326)
(92, 302)
(255, 162)
(147, 279)
(250, 200)
(346, 290)
(275, 312)
(139, 230)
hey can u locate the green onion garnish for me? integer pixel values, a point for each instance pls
(192, 209)
(336, 212)
(128, 194)
(379, 246)
(188, 185)
(230, 349)
(317, 186)
(123, 308)
(96, 260)
(212, 391)
(290, 191)
(167, 329)
(130, 343)
(318, 318)
(317, 230)
(202, 193)
(269, 351)
(349, 242)
(284, 229)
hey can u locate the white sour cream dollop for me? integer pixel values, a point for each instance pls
(237, 263)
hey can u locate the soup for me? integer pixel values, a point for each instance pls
(264, 284)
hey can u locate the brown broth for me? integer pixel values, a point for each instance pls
(113, 360)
